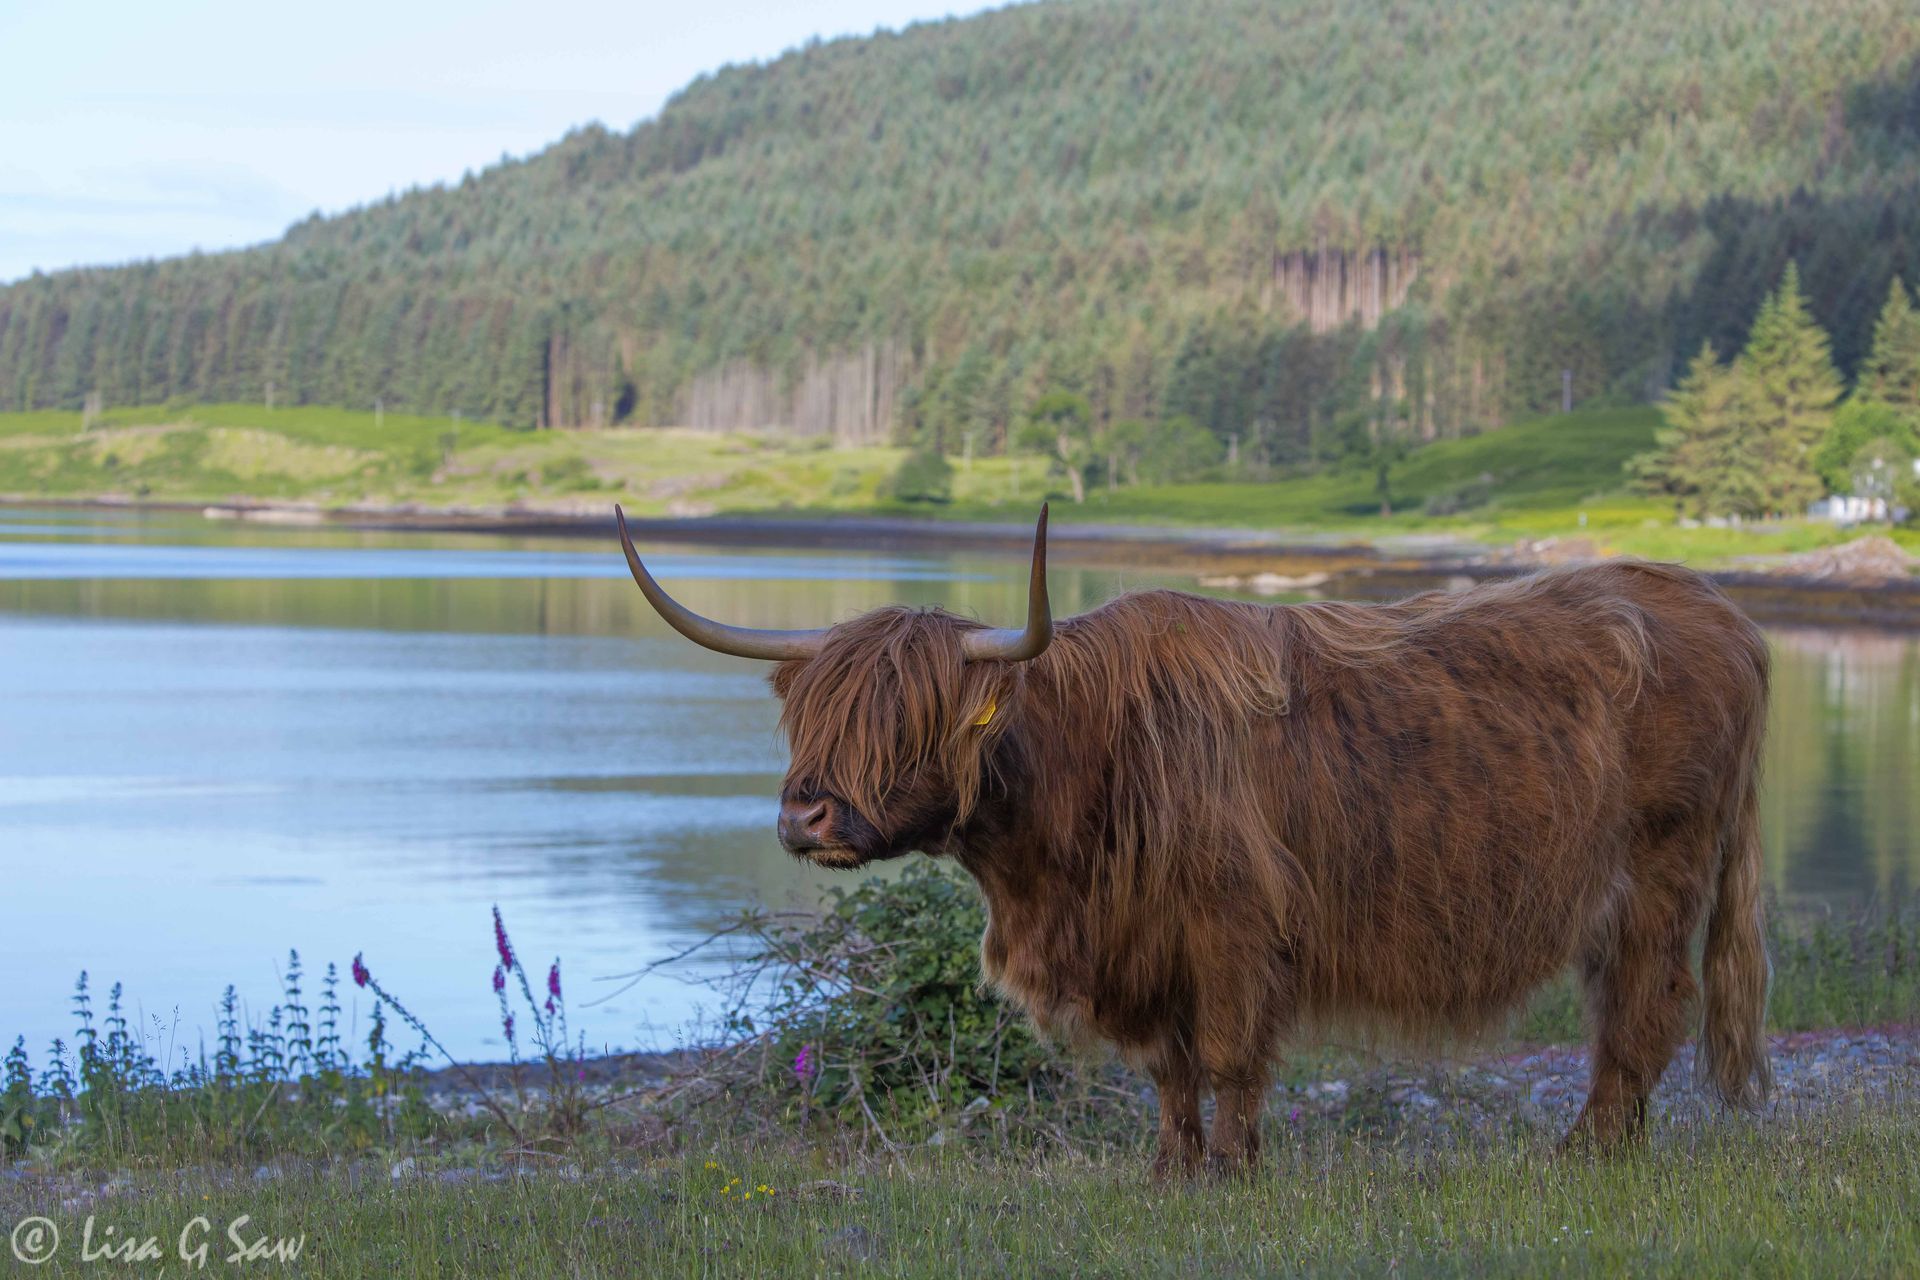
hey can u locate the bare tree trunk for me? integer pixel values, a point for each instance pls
(1077, 481)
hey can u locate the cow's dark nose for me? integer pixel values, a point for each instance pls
(804, 823)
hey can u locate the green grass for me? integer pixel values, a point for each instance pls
(1543, 464)
(1809, 1197)
(211, 453)
(1555, 476)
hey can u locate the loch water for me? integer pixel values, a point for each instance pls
(220, 741)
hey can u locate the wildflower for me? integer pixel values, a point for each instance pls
(506, 1024)
(360, 975)
(553, 982)
(713, 1164)
(499, 980)
(500, 940)
(804, 1063)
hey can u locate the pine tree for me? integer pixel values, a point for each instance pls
(1891, 371)
(1694, 453)
(1789, 388)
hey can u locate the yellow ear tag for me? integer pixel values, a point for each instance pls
(986, 717)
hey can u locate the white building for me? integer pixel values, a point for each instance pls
(1857, 508)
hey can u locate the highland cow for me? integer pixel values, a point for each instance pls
(1203, 828)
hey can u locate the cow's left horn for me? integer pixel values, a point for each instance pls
(1011, 645)
(741, 642)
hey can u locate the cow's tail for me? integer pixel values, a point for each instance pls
(1733, 1045)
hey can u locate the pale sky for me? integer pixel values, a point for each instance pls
(132, 129)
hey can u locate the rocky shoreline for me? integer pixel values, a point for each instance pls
(1529, 1091)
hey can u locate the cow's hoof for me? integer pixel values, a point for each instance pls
(1171, 1167)
(1231, 1168)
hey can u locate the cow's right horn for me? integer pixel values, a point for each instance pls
(741, 642)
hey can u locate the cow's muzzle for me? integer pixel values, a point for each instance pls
(806, 824)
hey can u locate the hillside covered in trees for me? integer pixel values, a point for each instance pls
(1302, 225)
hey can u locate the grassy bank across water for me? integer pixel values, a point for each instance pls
(1558, 476)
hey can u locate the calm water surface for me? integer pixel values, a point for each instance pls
(218, 743)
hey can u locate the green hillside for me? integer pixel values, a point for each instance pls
(1281, 218)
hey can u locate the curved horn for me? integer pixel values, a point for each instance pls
(1010, 645)
(741, 642)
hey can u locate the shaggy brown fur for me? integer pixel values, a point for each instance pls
(1202, 827)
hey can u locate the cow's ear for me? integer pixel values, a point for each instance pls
(782, 678)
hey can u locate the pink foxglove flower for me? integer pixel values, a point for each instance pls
(500, 940)
(360, 975)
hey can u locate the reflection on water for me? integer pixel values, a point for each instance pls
(222, 741)
(1841, 791)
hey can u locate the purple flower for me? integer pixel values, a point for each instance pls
(553, 984)
(500, 940)
(804, 1063)
(499, 979)
(1293, 1116)
(360, 975)
(506, 1024)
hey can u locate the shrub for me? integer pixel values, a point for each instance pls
(922, 476)
(1467, 496)
(877, 1014)
(1856, 424)
(572, 472)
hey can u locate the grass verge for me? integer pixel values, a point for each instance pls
(1804, 1197)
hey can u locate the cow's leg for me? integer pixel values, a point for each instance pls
(1641, 988)
(1238, 1096)
(1182, 1145)
(1242, 1009)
